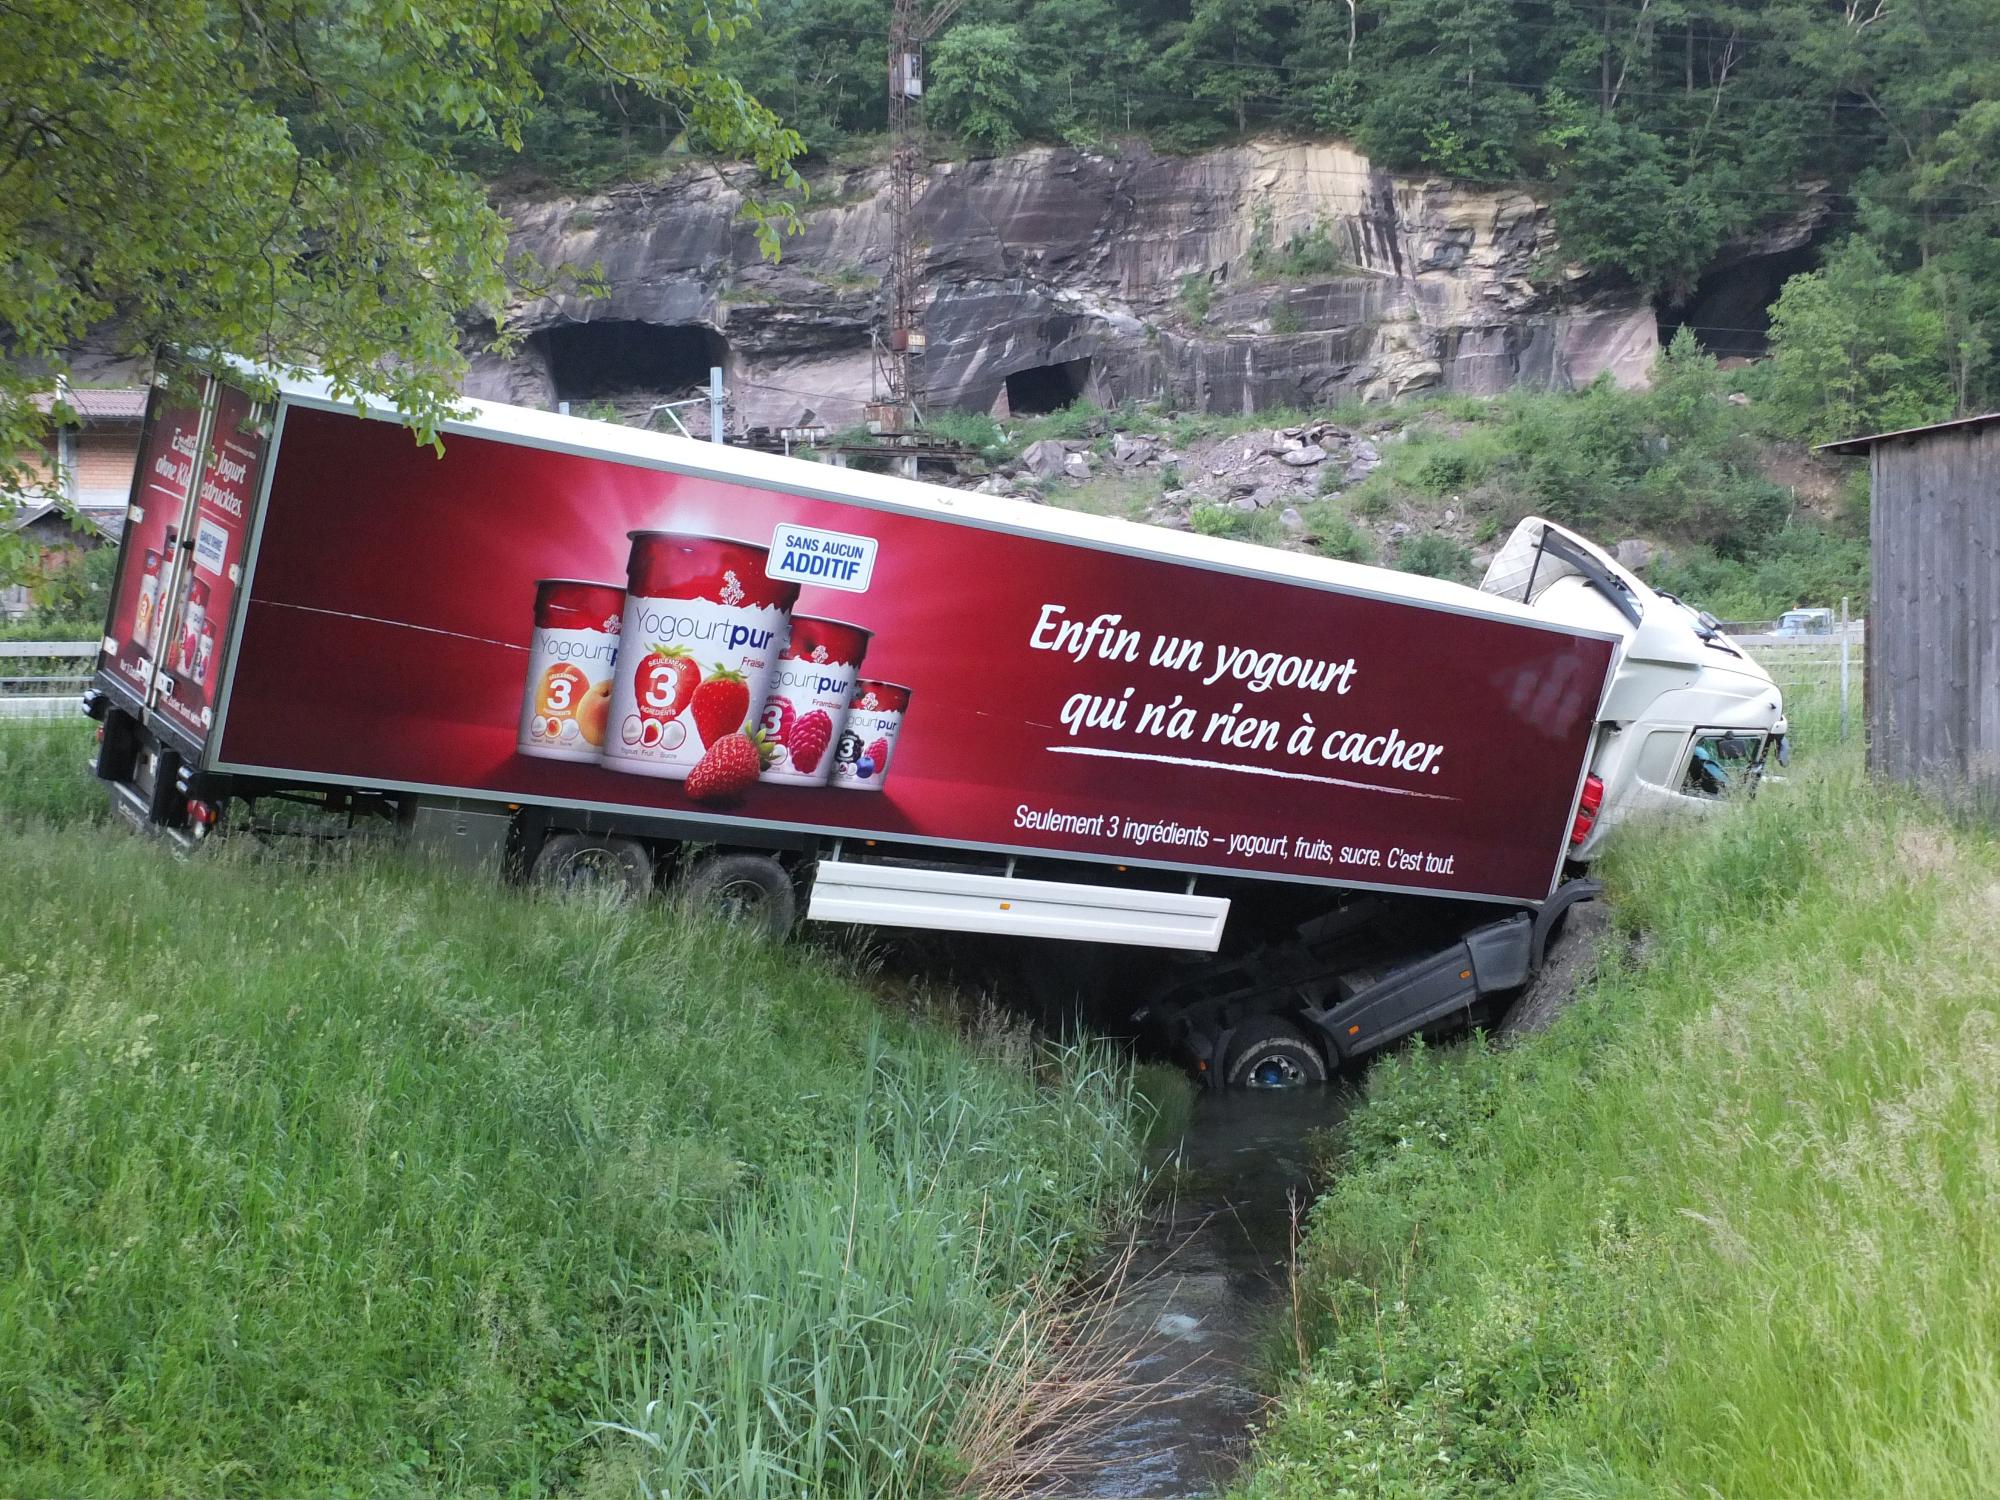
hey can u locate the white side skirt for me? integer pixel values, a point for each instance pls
(889, 896)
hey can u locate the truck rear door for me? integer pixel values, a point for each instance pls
(176, 598)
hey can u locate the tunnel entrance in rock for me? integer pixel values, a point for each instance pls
(617, 360)
(1729, 309)
(1047, 388)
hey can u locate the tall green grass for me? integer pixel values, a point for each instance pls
(374, 1179)
(1728, 1230)
(43, 770)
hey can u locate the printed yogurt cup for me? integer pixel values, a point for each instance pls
(572, 652)
(807, 706)
(868, 744)
(702, 631)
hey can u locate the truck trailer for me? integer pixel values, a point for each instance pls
(1357, 802)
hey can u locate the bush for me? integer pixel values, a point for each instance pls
(1196, 294)
(1373, 497)
(1801, 565)
(975, 429)
(1434, 555)
(1305, 257)
(1239, 525)
(1334, 535)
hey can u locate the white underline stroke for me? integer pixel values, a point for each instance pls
(343, 614)
(1223, 765)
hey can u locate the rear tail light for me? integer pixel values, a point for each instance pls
(1587, 806)
(100, 734)
(200, 813)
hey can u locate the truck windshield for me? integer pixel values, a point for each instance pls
(1721, 761)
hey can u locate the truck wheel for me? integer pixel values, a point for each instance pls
(752, 890)
(1269, 1053)
(593, 863)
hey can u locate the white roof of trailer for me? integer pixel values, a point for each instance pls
(588, 438)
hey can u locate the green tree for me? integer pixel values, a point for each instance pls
(818, 63)
(1957, 194)
(276, 178)
(1440, 94)
(978, 86)
(1856, 347)
(1626, 205)
(1088, 58)
(1227, 55)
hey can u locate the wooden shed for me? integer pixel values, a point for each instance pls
(1933, 644)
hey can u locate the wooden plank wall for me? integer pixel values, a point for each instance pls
(1933, 642)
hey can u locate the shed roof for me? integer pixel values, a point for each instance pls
(1863, 444)
(78, 520)
(105, 404)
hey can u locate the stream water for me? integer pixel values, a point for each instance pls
(1208, 1286)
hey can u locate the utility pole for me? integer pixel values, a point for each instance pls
(912, 23)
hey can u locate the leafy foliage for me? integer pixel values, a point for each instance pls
(74, 595)
(277, 178)
(976, 82)
(1857, 347)
(1435, 555)
(1672, 461)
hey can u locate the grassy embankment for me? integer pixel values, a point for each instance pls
(1727, 1230)
(369, 1179)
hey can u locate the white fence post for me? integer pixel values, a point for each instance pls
(1845, 647)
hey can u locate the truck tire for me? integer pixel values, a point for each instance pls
(752, 890)
(1270, 1053)
(589, 862)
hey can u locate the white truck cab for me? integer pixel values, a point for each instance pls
(1687, 717)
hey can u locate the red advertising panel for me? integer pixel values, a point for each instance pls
(546, 627)
(152, 533)
(213, 541)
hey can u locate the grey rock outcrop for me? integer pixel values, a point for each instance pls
(1055, 272)
(1044, 459)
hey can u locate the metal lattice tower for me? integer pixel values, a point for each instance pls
(898, 356)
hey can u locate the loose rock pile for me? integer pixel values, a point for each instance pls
(1278, 469)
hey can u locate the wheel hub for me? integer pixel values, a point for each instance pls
(1278, 1072)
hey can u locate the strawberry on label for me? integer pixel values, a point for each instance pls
(667, 679)
(729, 768)
(721, 704)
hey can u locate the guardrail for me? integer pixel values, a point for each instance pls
(43, 679)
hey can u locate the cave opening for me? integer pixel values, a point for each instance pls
(1729, 309)
(608, 360)
(1047, 388)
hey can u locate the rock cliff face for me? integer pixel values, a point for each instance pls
(1262, 275)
